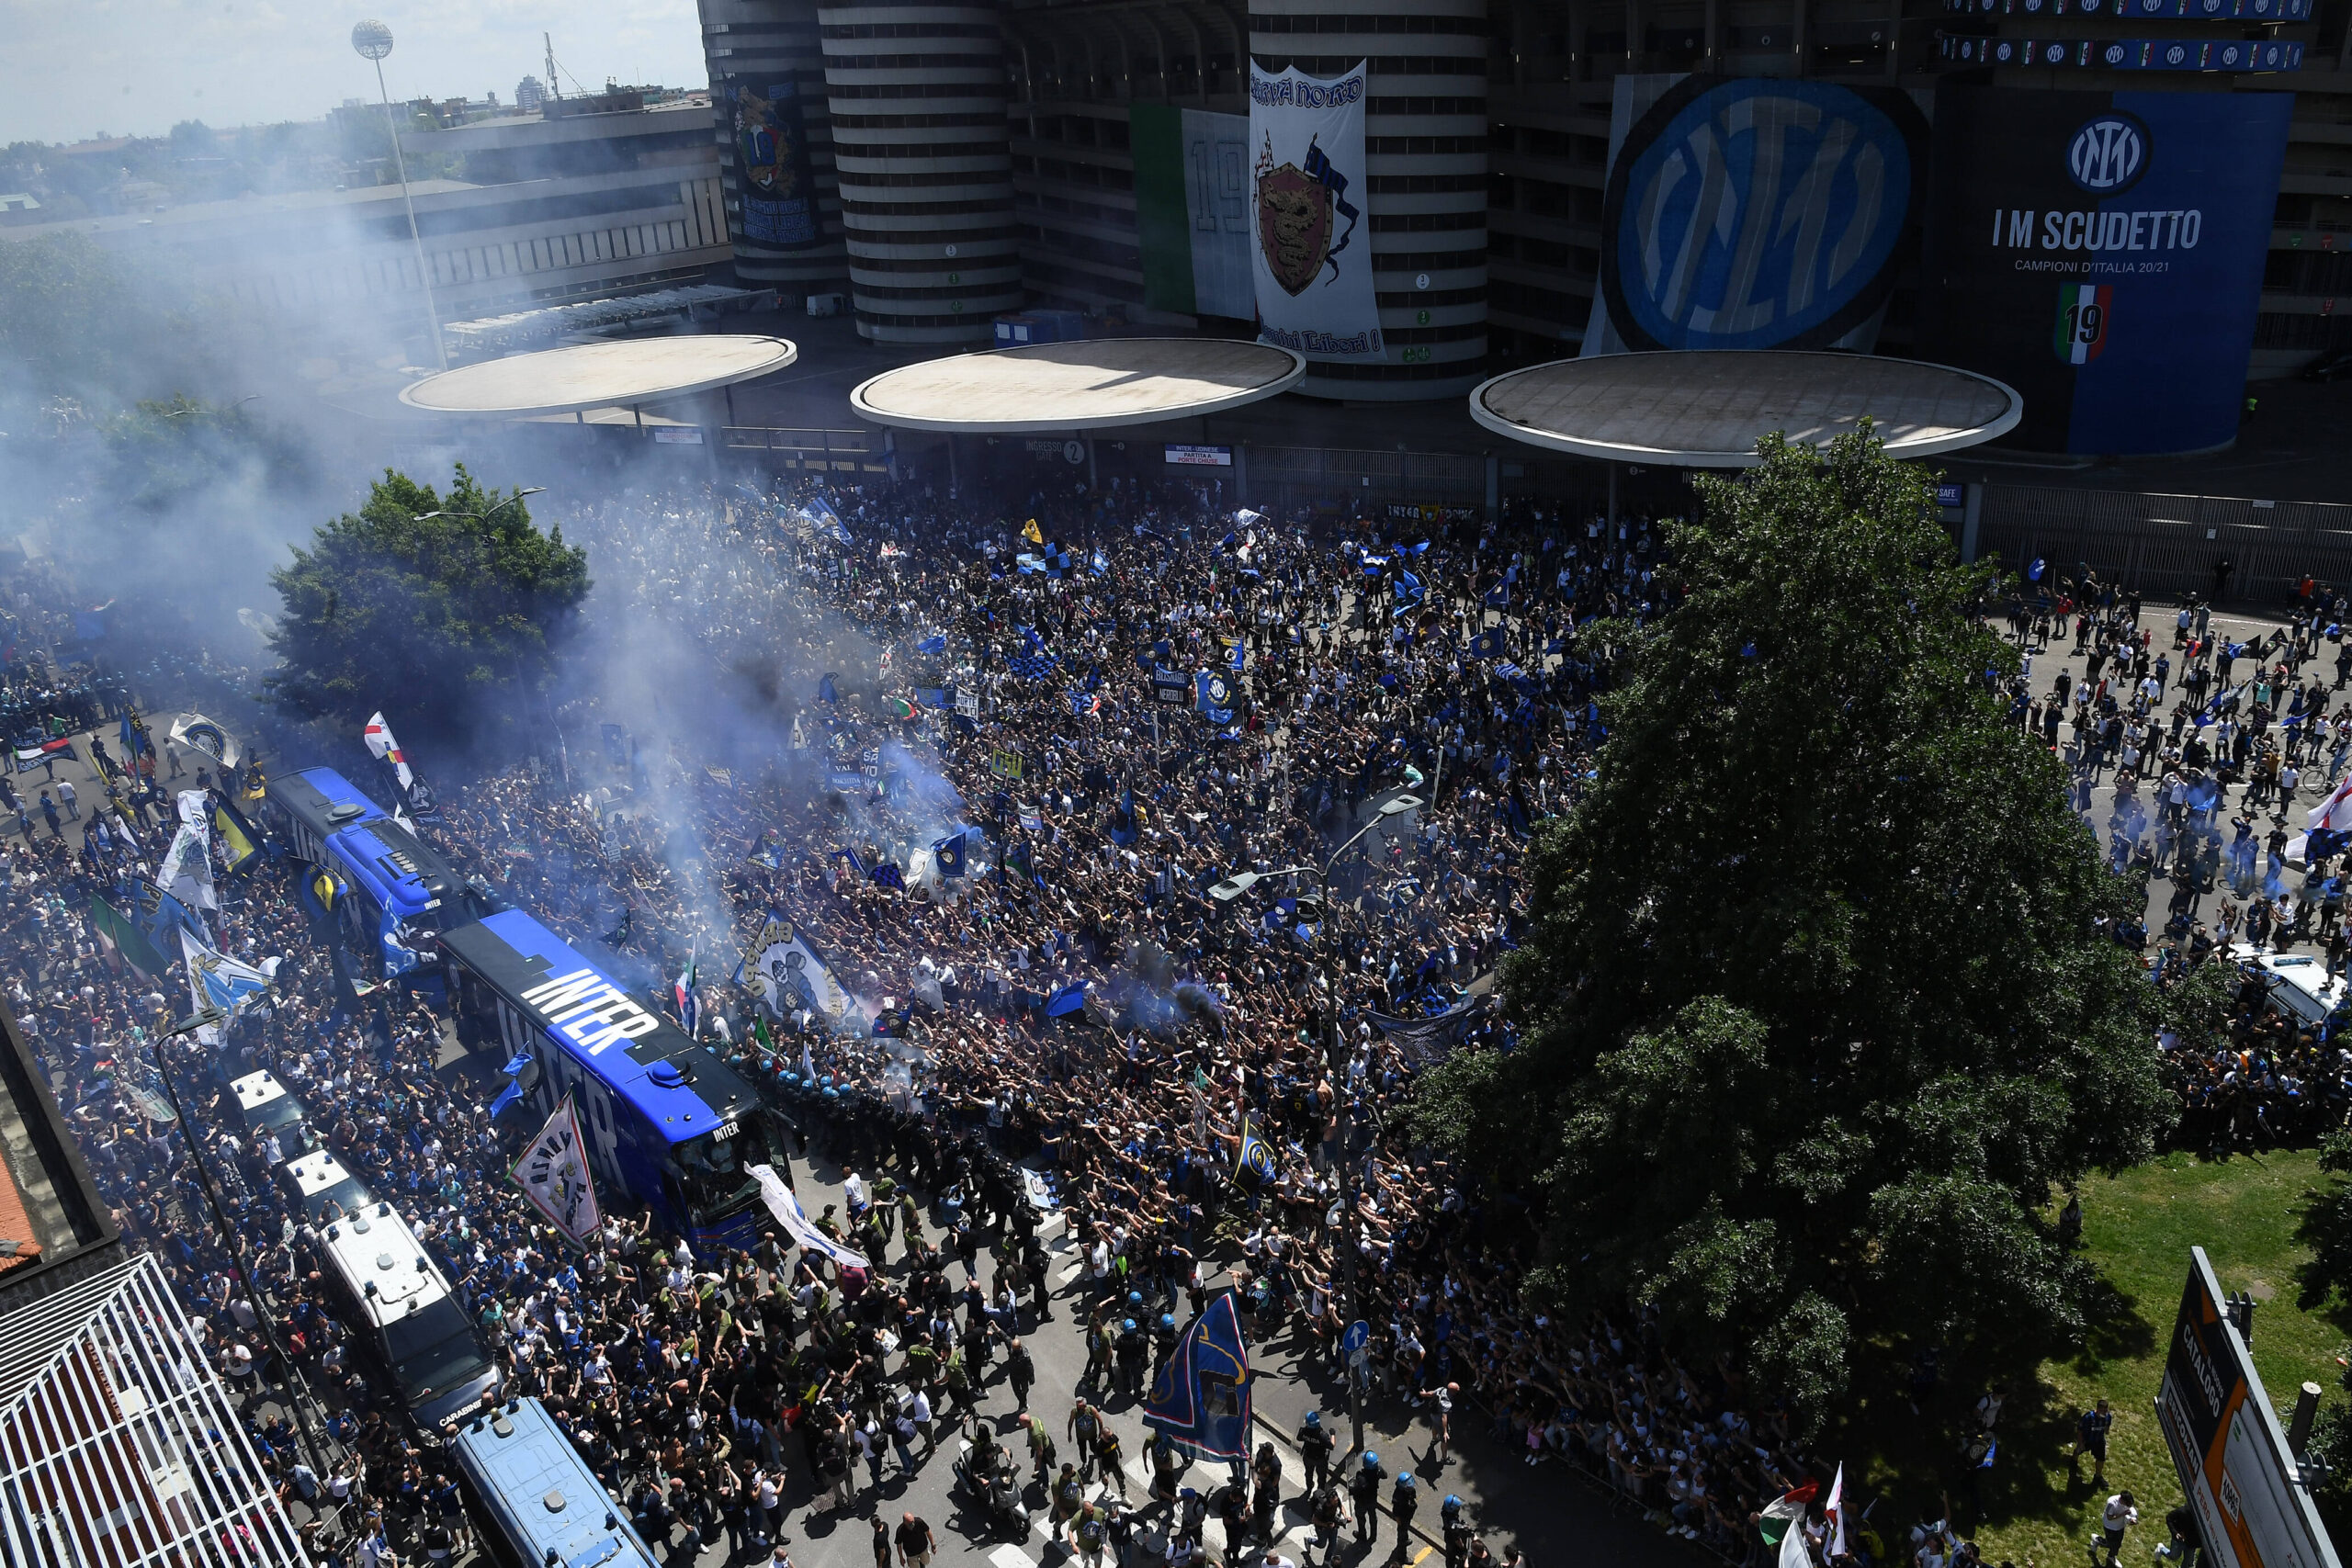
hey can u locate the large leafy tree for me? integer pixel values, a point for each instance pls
(167, 451)
(1816, 1008)
(443, 610)
(66, 314)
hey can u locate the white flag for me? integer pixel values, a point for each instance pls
(215, 980)
(187, 871)
(553, 1174)
(795, 1220)
(1834, 1513)
(1311, 264)
(383, 748)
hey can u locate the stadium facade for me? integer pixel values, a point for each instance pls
(1488, 140)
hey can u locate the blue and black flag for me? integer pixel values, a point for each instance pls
(1201, 1399)
(1254, 1167)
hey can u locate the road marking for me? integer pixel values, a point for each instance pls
(1418, 1555)
(1011, 1557)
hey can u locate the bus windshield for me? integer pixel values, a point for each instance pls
(718, 1170)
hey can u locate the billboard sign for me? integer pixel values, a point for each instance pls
(779, 194)
(1755, 213)
(1193, 456)
(2235, 1468)
(2102, 252)
(1312, 258)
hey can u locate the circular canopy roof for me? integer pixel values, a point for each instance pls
(600, 375)
(1078, 386)
(1701, 410)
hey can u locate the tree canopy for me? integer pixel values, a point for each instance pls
(443, 610)
(1815, 1006)
(64, 308)
(162, 452)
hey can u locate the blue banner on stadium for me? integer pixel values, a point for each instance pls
(2103, 254)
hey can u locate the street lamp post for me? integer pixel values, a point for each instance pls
(484, 516)
(294, 1398)
(1335, 1058)
(373, 39)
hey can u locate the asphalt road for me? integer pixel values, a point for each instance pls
(1558, 1519)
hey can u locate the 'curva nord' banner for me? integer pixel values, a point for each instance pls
(2102, 252)
(1312, 258)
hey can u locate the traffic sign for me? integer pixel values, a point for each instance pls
(1358, 1336)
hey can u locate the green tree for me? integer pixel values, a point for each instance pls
(161, 453)
(445, 611)
(63, 311)
(1815, 1006)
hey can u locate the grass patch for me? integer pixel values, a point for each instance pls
(2137, 1228)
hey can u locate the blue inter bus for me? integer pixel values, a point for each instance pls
(394, 884)
(307, 808)
(667, 1123)
(537, 1498)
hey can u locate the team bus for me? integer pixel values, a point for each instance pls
(538, 1499)
(399, 1305)
(666, 1123)
(394, 885)
(308, 808)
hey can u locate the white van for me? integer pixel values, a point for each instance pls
(2299, 983)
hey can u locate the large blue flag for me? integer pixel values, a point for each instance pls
(1201, 1399)
(1254, 1167)
(948, 854)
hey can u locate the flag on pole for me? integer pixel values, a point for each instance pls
(948, 854)
(414, 793)
(186, 869)
(553, 1175)
(785, 1206)
(1201, 1399)
(216, 981)
(2331, 815)
(117, 930)
(689, 1005)
(1782, 1524)
(1834, 1512)
(1253, 1166)
(240, 845)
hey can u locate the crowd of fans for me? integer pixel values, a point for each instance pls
(865, 685)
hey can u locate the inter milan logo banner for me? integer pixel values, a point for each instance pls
(1312, 258)
(1201, 1398)
(1754, 213)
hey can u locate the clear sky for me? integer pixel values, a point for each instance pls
(70, 68)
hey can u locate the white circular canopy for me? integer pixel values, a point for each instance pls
(1708, 410)
(1095, 385)
(622, 372)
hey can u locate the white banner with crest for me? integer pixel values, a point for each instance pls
(1312, 259)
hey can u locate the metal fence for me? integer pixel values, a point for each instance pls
(809, 451)
(2169, 545)
(1306, 476)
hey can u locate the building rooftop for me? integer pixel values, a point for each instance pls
(1099, 384)
(54, 1222)
(1708, 410)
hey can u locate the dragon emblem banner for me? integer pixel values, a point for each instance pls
(1312, 259)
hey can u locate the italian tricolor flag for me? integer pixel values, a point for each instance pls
(1783, 1525)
